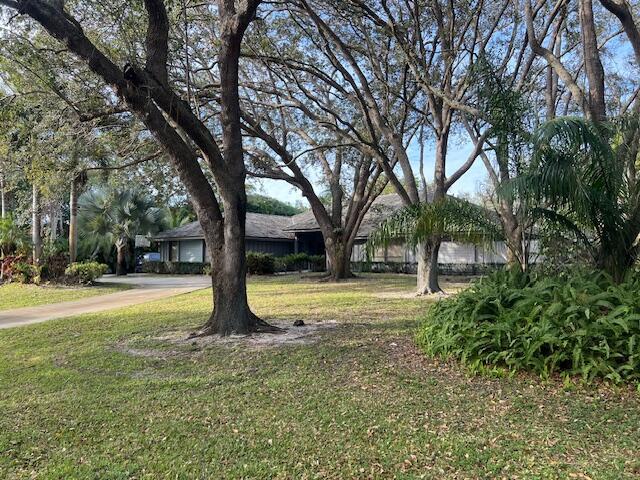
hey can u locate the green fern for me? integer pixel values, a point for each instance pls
(575, 324)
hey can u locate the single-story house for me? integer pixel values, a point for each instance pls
(281, 236)
(263, 233)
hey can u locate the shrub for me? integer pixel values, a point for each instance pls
(260, 263)
(85, 272)
(54, 266)
(174, 268)
(296, 262)
(578, 323)
(317, 263)
(292, 262)
(23, 272)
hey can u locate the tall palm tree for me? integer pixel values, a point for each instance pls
(118, 216)
(584, 176)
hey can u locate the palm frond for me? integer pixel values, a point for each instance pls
(452, 218)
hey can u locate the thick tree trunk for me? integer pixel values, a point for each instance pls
(516, 255)
(231, 311)
(73, 222)
(427, 253)
(121, 258)
(338, 259)
(36, 227)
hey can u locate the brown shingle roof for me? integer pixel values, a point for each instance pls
(258, 225)
(382, 207)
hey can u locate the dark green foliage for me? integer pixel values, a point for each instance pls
(85, 273)
(54, 266)
(584, 179)
(272, 206)
(13, 237)
(260, 263)
(176, 268)
(297, 262)
(579, 323)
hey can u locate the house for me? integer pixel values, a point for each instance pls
(281, 236)
(453, 256)
(264, 233)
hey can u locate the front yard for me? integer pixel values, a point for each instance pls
(116, 396)
(16, 295)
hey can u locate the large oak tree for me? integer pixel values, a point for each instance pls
(148, 91)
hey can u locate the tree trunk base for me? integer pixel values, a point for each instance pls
(430, 293)
(256, 326)
(328, 278)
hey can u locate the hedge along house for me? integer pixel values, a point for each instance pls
(264, 233)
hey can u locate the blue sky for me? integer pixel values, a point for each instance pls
(469, 184)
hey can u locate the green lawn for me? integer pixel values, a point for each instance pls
(104, 396)
(16, 295)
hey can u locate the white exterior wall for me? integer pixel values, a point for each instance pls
(450, 253)
(457, 253)
(191, 251)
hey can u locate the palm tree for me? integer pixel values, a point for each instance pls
(452, 218)
(118, 216)
(178, 216)
(12, 237)
(584, 177)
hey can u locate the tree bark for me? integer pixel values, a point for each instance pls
(121, 257)
(338, 258)
(231, 313)
(427, 253)
(73, 222)
(3, 199)
(592, 64)
(53, 223)
(36, 226)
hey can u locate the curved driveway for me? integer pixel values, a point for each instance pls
(145, 288)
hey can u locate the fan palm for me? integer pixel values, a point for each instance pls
(584, 177)
(12, 237)
(118, 216)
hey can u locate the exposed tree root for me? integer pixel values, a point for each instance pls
(263, 327)
(427, 293)
(256, 325)
(328, 278)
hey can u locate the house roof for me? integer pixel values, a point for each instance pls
(382, 207)
(258, 225)
(278, 227)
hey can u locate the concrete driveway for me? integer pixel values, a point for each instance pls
(145, 288)
(146, 280)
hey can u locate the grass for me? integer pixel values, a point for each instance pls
(16, 295)
(101, 396)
